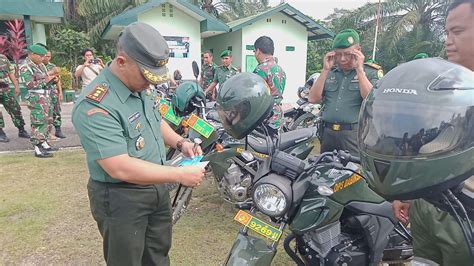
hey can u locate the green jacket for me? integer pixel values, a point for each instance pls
(341, 95)
(111, 120)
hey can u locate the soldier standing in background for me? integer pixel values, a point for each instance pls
(56, 95)
(208, 72)
(7, 98)
(223, 73)
(273, 75)
(38, 82)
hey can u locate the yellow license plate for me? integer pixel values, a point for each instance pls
(258, 225)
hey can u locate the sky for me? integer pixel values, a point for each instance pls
(320, 9)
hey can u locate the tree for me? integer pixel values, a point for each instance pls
(67, 45)
(229, 10)
(407, 28)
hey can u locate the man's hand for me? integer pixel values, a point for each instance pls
(191, 176)
(189, 150)
(17, 91)
(358, 61)
(401, 211)
(60, 96)
(329, 60)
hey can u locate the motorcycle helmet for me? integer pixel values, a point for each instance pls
(243, 103)
(416, 130)
(182, 99)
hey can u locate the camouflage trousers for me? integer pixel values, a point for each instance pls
(276, 117)
(56, 106)
(7, 98)
(40, 116)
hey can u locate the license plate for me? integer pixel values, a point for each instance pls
(167, 113)
(201, 126)
(258, 225)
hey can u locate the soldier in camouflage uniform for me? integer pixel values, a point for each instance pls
(273, 74)
(56, 95)
(223, 73)
(7, 98)
(208, 72)
(38, 82)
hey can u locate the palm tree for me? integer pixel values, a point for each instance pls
(93, 16)
(229, 10)
(407, 26)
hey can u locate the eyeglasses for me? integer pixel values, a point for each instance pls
(346, 55)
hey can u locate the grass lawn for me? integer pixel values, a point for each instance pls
(45, 217)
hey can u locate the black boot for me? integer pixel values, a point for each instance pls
(41, 153)
(3, 136)
(59, 133)
(48, 148)
(22, 133)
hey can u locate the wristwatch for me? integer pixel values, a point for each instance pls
(180, 142)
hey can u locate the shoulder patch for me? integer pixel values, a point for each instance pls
(380, 73)
(373, 65)
(98, 93)
(96, 110)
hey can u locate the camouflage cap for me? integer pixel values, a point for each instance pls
(148, 48)
(345, 39)
(226, 53)
(420, 56)
(37, 49)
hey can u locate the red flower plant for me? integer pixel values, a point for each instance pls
(16, 42)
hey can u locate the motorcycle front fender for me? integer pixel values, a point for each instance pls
(249, 250)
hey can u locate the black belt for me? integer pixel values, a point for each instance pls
(339, 126)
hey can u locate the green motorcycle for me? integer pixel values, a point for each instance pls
(332, 216)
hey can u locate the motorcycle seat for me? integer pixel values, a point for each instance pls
(287, 139)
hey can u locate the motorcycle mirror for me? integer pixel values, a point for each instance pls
(195, 69)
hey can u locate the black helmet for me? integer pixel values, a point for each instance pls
(243, 102)
(416, 129)
(184, 96)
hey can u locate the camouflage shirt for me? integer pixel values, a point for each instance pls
(5, 68)
(275, 77)
(54, 87)
(207, 74)
(224, 73)
(34, 75)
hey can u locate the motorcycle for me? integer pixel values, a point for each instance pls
(334, 218)
(234, 163)
(305, 114)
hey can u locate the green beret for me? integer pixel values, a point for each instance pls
(420, 56)
(226, 53)
(37, 49)
(345, 39)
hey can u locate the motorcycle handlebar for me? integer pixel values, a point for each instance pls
(329, 158)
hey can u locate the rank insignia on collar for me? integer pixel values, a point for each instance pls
(140, 143)
(98, 93)
(138, 126)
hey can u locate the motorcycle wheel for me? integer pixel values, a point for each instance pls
(180, 198)
(304, 121)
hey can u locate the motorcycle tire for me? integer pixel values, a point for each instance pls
(183, 197)
(302, 121)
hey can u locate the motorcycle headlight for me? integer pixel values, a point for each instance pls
(272, 195)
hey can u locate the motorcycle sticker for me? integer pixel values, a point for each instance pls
(258, 225)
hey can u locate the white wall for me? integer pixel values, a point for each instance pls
(179, 24)
(39, 33)
(220, 43)
(290, 34)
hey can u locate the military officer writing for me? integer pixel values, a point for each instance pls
(124, 138)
